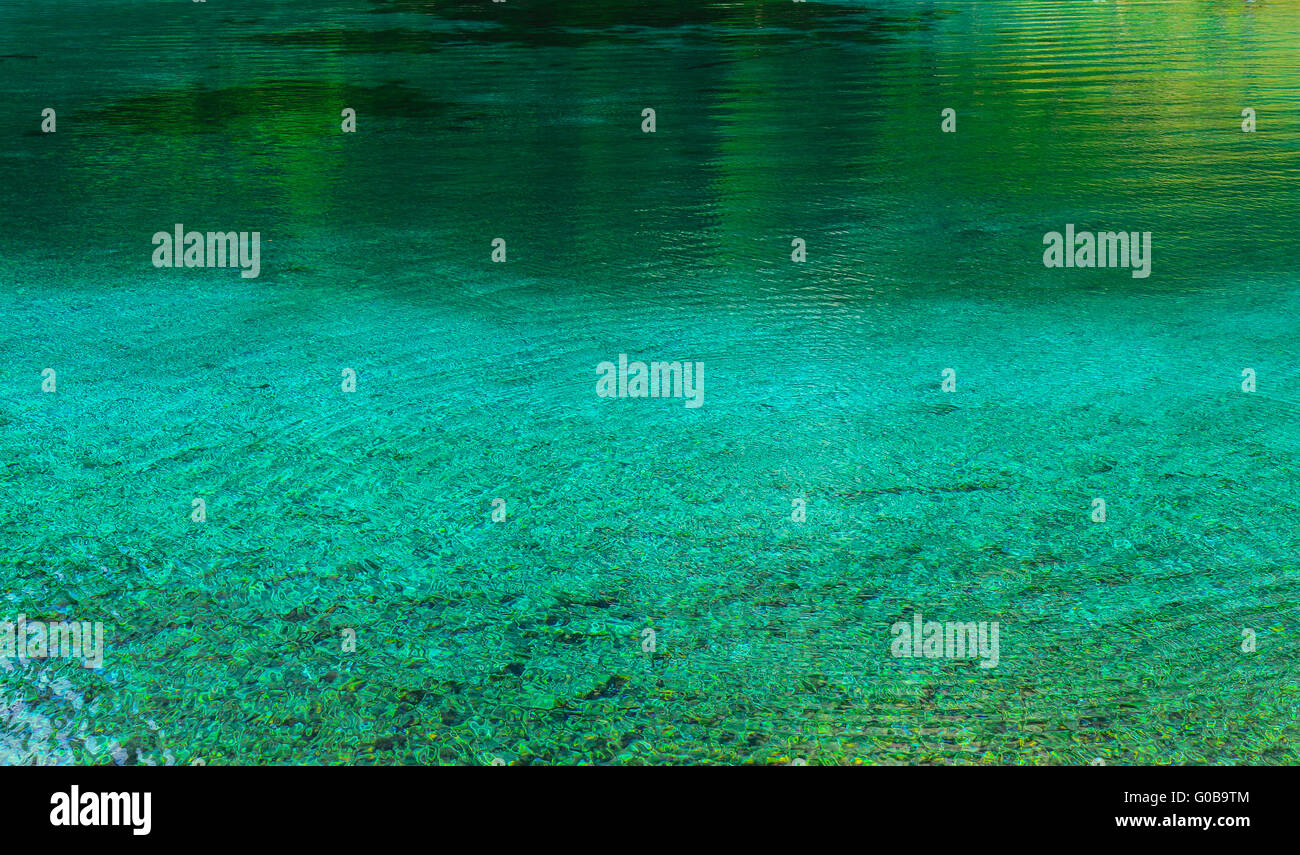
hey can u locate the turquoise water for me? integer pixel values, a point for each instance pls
(520, 640)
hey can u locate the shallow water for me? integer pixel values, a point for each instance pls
(371, 511)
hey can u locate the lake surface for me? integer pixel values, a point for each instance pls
(827, 489)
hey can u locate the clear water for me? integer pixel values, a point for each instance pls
(521, 640)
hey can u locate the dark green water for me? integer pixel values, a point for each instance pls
(332, 512)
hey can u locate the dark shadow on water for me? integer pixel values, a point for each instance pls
(200, 110)
(575, 23)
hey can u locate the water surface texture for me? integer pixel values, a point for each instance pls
(1165, 634)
